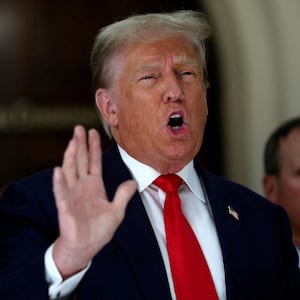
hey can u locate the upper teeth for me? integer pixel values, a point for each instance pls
(175, 116)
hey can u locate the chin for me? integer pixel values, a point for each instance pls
(184, 150)
(182, 157)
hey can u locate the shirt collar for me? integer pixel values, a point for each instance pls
(144, 175)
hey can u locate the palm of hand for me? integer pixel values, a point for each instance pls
(87, 220)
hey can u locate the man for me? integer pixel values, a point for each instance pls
(281, 181)
(96, 237)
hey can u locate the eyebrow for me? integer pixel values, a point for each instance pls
(184, 59)
(178, 61)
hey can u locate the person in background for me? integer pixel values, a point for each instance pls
(146, 221)
(281, 181)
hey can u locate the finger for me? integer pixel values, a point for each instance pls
(123, 194)
(59, 183)
(82, 151)
(69, 161)
(94, 153)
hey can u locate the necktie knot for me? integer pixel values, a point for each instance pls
(168, 183)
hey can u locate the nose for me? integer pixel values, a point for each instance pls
(173, 91)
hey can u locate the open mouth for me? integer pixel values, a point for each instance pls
(175, 122)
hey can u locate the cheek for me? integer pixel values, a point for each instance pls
(132, 119)
(200, 113)
(139, 110)
(289, 177)
(295, 188)
(290, 188)
(200, 103)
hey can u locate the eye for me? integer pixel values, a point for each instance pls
(297, 172)
(147, 77)
(187, 75)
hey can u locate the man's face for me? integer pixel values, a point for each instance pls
(285, 188)
(158, 106)
(288, 190)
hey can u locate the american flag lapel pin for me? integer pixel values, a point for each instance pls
(233, 212)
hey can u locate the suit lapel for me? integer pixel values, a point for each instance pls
(230, 232)
(135, 235)
(138, 241)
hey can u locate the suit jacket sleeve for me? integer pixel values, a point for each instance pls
(26, 231)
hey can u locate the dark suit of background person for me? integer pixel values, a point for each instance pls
(259, 259)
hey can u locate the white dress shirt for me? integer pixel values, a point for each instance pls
(196, 209)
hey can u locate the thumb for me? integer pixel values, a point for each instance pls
(123, 194)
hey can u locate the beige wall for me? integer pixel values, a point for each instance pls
(259, 50)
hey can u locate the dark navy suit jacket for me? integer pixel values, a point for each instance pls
(259, 258)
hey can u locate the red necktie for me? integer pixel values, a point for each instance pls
(190, 273)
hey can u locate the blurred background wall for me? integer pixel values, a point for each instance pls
(45, 84)
(45, 80)
(258, 45)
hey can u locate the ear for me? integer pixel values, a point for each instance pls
(106, 106)
(270, 186)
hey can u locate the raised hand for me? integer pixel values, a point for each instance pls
(87, 220)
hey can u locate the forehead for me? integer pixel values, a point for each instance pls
(176, 48)
(151, 53)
